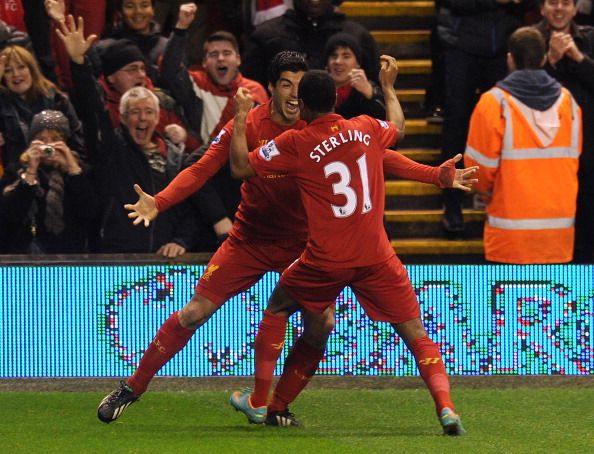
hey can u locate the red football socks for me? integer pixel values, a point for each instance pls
(300, 367)
(169, 340)
(270, 341)
(432, 371)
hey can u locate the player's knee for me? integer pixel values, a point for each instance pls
(410, 331)
(317, 329)
(196, 312)
(281, 303)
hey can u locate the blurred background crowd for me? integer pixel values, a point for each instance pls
(82, 120)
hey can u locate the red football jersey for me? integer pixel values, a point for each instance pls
(270, 207)
(338, 165)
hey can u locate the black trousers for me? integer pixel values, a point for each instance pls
(467, 76)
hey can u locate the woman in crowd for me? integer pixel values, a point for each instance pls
(24, 91)
(51, 204)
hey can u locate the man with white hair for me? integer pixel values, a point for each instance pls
(132, 153)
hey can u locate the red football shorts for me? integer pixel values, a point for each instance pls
(237, 265)
(384, 290)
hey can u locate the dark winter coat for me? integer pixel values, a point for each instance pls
(119, 164)
(578, 78)
(24, 209)
(479, 27)
(358, 104)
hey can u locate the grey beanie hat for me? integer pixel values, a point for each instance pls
(49, 119)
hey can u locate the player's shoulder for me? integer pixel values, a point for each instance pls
(372, 121)
(224, 135)
(259, 112)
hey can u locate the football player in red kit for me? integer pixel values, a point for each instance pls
(269, 233)
(338, 167)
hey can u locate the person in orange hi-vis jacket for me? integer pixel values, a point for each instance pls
(526, 136)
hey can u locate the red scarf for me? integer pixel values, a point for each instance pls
(262, 5)
(342, 94)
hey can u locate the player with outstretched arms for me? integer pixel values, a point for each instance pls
(338, 167)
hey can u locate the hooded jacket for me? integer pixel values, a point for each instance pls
(525, 135)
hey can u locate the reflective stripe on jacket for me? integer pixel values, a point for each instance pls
(532, 187)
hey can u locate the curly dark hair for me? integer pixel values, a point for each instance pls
(287, 60)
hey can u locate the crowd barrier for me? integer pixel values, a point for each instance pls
(92, 316)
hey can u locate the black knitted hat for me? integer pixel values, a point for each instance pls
(342, 39)
(119, 53)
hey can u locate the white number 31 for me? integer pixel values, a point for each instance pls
(342, 187)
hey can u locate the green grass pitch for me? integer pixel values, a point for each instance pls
(515, 420)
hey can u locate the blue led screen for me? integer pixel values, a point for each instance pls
(95, 321)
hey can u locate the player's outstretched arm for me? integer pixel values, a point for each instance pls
(144, 210)
(387, 77)
(444, 176)
(238, 156)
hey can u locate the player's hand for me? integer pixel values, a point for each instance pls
(171, 250)
(450, 177)
(243, 101)
(187, 13)
(145, 210)
(73, 37)
(388, 71)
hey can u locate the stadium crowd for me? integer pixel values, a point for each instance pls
(194, 63)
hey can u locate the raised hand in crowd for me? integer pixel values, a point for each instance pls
(144, 210)
(187, 13)
(73, 37)
(176, 134)
(56, 9)
(358, 80)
